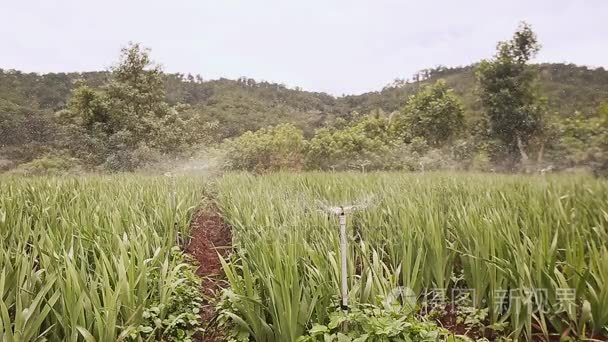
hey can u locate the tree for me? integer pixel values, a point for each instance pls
(510, 97)
(435, 114)
(127, 121)
(88, 108)
(581, 140)
(136, 89)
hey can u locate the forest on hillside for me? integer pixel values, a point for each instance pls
(501, 114)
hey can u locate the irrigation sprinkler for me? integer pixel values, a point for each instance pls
(343, 252)
(341, 212)
(173, 185)
(173, 198)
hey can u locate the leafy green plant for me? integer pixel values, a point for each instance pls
(367, 323)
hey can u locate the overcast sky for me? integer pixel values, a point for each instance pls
(339, 47)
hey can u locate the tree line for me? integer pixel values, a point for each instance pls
(514, 132)
(502, 114)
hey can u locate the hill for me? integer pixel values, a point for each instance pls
(246, 104)
(238, 105)
(567, 87)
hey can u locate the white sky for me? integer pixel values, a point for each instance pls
(339, 47)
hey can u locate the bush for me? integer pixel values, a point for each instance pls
(269, 149)
(600, 169)
(5, 164)
(48, 165)
(364, 145)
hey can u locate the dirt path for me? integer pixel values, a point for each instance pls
(210, 236)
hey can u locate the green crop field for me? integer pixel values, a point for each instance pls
(100, 258)
(530, 252)
(95, 258)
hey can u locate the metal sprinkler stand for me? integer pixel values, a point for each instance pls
(341, 211)
(343, 256)
(173, 199)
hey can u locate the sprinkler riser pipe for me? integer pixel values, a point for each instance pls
(344, 265)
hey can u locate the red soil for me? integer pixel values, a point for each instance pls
(210, 236)
(449, 320)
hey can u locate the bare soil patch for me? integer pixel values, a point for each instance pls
(210, 238)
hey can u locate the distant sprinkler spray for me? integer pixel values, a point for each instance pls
(341, 212)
